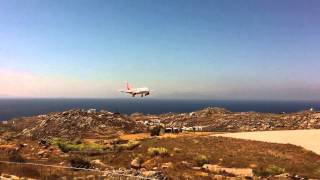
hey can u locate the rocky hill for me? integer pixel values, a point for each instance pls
(80, 123)
(219, 119)
(76, 124)
(105, 141)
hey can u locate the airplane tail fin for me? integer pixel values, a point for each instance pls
(128, 86)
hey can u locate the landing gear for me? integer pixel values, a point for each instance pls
(141, 95)
(133, 95)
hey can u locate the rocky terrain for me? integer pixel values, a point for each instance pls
(81, 123)
(121, 147)
(77, 124)
(219, 119)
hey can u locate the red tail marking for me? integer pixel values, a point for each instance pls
(128, 86)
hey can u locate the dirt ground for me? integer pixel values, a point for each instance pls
(228, 152)
(305, 138)
(182, 150)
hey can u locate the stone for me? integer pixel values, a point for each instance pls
(177, 150)
(41, 153)
(244, 172)
(167, 165)
(6, 175)
(23, 145)
(187, 164)
(78, 178)
(150, 174)
(98, 163)
(284, 175)
(90, 177)
(196, 168)
(218, 177)
(136, 163)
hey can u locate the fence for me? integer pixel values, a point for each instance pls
(51, 172)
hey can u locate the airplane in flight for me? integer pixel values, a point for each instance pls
(144, 91)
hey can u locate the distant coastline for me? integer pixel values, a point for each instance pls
(19, 107)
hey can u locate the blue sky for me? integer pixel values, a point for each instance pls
(210, 49)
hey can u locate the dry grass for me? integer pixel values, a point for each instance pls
(158, 151)
(264, 158)
(139, 136)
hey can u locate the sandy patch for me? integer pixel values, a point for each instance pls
(309, 139)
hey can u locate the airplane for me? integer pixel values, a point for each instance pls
(144, 91)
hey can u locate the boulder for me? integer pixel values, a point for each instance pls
(177, 150)
(284, 175)
(187, 164)
(167, 165)
(243, 172)
(41, 153)
(150, 174)
(9, 177)
(97, 163)
(196, 168)
(136, 163)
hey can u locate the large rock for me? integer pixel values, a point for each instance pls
(243, 172)
(151, 174)
(78, 123)
(9, 177)
(42, 153)
(98, 164)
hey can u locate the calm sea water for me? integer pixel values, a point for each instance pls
(11, 108)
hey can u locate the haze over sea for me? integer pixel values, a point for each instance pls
(12, 108)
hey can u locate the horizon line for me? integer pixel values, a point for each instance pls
(157, 98)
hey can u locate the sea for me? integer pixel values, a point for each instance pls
(15, 108)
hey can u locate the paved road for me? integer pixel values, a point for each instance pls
(309, 139)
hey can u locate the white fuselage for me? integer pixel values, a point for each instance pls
(144, 91)
(141, 91)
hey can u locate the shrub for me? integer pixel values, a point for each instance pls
(201, 160)
(156, 131)
(66, 146)
(79, 162)
(161, 151)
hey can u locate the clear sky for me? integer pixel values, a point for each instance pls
(216, 49)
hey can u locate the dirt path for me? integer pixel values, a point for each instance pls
(309, 139)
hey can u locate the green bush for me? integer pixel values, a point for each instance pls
(161, 151)
(200, 160)
(67, 146)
